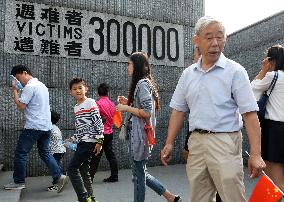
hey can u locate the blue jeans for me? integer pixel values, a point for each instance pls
(141, 178)
(58, 158)
(25, 143)
(78, 170)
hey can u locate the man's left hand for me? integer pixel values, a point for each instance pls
(255, 166)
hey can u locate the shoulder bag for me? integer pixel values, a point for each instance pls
(264, 98)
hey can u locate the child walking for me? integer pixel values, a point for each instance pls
(56, 145)
(107, 108)
(89, 138)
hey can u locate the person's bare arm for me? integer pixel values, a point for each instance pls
(140, 113)
(255, 162)
(264, 69)
(175, 124)
(20, 106)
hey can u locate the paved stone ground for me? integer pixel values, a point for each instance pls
(11, 195)
(174, 178)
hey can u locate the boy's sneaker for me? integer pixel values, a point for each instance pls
(12, 186)
(61, 182)
(92, 199)
(89, 199)
(53, 188)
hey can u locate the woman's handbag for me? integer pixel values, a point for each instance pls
(150, 134)
(264, 98)
(123, 132)
(117, 119)
(125, 128)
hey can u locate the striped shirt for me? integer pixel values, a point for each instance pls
(88, 122)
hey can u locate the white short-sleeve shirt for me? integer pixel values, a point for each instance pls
(36, 96)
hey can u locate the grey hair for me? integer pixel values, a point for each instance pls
(204, 21)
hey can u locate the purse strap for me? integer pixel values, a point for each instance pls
(273, 82)
(127, 118)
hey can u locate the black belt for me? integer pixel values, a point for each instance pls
(203, 131)
(208, 131)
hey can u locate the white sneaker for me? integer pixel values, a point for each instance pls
(13, 186)
(53, 188)
(62, 182)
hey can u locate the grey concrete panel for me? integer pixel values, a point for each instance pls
(269, 29)
(2, 20)
(167, 77)
(2, 68)
(188, 61)
(251, 58)
(188, 43)
(11, 117)
(62, 70)
(2, 144)
(10, 141)
(38, 65)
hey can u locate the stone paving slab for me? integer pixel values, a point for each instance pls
(8, 195)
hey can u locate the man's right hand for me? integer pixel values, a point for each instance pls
(166, 154)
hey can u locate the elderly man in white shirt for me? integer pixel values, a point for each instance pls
(216, 91)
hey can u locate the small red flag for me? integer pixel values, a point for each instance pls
(117, 119)
(265, 191)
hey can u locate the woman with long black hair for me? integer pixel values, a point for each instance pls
(142, 102)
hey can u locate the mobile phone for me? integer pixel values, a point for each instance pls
(19, 86)
(13, 78)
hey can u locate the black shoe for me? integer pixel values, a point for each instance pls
(111, 179)
(177, 198)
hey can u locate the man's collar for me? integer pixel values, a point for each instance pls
(221, 62)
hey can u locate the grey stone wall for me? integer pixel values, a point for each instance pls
(247, 46)
(56, 72)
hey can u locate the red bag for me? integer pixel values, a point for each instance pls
(150, 134)
(117, 119)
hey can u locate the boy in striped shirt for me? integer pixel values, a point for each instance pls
(89, 138)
